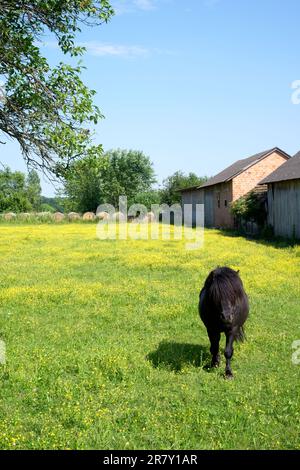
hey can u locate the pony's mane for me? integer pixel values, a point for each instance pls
(224, 284)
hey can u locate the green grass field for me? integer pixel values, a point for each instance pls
(105, 348)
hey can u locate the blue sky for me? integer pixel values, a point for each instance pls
(195, 84)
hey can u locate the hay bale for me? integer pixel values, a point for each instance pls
(88, 216)
(58, 216)
(9, 216)
(73, 216)
(43, 214)
(150, 216)
(119, 217)
(24, 215)
(102, 215)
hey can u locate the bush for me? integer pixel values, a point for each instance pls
(47, 208)
(251, 208)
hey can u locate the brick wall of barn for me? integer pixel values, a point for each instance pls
(248, 179)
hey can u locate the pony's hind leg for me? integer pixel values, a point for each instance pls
(214, 337)
(228, 353)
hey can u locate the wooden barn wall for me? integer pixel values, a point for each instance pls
(284, 208)
(193, 197)
(209, 212)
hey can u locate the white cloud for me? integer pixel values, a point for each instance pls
(118, 50)
(100, 49)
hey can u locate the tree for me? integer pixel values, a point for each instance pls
(48, 110)
(83, 184)
(34, 190)
(129, 172)
(13, 191)
(47, 208)
(103, 178)
(147, 198)
(169, 192)
(52, 202)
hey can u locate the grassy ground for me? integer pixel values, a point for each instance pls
(105, 348)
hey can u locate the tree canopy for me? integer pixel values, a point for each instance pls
(102, 179)
(169, 192)
(34, 190)
(83, 184)
(129, 172)
(48, 110)
(19, 193)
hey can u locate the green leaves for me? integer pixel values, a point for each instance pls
(129, 173)
(251, 207)
(102, 178)
(34, 190)
(18, 193)
(49, 111)
(170, 192)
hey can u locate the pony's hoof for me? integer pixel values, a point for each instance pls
(228, 375)
(215, 362)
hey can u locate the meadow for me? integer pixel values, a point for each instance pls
(105, 348)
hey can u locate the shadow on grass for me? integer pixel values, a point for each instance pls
(277, 242)
(174, 356)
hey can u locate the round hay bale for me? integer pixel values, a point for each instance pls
(88, 216)
(43, 214)
(119, 217)
(150, 216)
(58, 216)
(73, 216)
(130, 218)
(25, 215)
(9, 216)
(102, 215)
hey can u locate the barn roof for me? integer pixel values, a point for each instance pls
(290, 170)
(238, 167)
(189, 188)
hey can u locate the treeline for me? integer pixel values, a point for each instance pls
(95, 180)
(18, 192)
(22, 193)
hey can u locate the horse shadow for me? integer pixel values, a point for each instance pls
(175, 356)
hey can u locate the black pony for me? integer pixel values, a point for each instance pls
(223, 307)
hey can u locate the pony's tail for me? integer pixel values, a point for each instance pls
(241, 335)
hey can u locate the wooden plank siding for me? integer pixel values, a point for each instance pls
(284, 208)
(192, 197)
(209, 212)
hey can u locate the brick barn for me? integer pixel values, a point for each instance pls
(233, 182)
